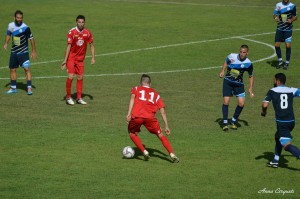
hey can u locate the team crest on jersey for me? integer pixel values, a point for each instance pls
(242, 66)
(20, 30)
(80, 42)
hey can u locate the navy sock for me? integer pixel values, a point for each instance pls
(278, 147)
(293, 150)
(237, 112)
(278, 52)
(288, 54)
(28, 83)
(13, 84)
(225, 113)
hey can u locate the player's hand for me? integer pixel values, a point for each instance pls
(63, 66)
(289, 20)
(263, 114)
(5, 46)
(167, 131)
(128, 118)
(33, 55)
(93, 61)
(221, 75)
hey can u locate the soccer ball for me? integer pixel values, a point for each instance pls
(128, 152)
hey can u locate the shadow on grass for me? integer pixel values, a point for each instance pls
(20, 86)
(154, 153)
(283, 163)
(272, 63)
(220, 122)
(74, 96)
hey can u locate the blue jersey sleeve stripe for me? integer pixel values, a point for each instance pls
(8, 33)
(297, 93)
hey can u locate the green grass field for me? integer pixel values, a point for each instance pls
(51, 150)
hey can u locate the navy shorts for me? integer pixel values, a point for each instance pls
(231, 88)
(17, 60)
(283, 36)
(284, 129)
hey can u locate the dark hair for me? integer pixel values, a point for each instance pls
(245, 46)
(80, 17)
(145, 79)
(280, 77)
(18, 12)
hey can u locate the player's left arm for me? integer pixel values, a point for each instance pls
(297, 93)
(33, 49)
(93, 53)
(251, 83)
(164, 117)
(294, 16)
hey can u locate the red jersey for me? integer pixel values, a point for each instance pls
(146, 103)
(79, 40)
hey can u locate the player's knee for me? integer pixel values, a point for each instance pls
(284, 141)
(276, 136)
(70, 76)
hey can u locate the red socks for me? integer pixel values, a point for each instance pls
(68, 87)
(79, 85)
(165, 142)
(137, 141)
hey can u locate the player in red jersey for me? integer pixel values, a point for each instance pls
(143, 105)
(78, 39)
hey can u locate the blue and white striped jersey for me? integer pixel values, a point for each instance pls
(20, 35)
(285, 12)
(237, 67)
(282, 99)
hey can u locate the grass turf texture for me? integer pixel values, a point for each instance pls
(51, 150)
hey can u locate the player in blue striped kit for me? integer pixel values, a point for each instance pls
(20, 33)
(282, 99)
(284, 14)
(236, 65)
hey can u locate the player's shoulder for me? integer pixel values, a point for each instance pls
(247, 60)
(72, 30)
(87, 30)
(11, 24)
(284, 89)
(232, 55)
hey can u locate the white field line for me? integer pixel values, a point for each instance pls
(165, 46)
(156, 47)
(191, 4)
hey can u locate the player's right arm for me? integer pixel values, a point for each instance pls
(264, 108)
(63, 65)
(265, 104)
(6, 41)
(224, 67)
(276, 13)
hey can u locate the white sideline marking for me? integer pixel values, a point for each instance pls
(157, 47)
(189, 4)
(160, 47)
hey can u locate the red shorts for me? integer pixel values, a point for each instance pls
(151, 125)
(75, 67)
